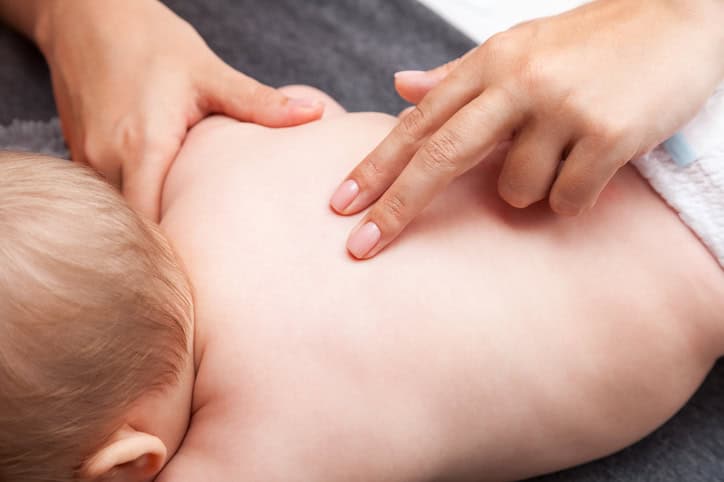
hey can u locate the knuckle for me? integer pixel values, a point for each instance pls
(603, 128)
(412, 126)
(537, 76)
(368, 173)
(502, 45)
(609, 132)
(140, 143)
(440, 153)
(128, 138)
(392, 211)
(493, 110)
(92, 150)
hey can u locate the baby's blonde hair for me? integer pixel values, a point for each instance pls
(94, 313)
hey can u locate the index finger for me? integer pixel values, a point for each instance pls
(461, 143)
(384, 164)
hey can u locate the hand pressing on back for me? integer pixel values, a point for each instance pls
(579, 95)
(130, 78)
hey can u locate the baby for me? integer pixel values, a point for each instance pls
(95, 323)
(489, 344)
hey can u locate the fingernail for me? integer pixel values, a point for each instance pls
(345, 194)
(304, 104)
(364, 240)
(410, 75)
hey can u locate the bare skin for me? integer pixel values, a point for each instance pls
(580, 94)
(130, 125)
(493, 344)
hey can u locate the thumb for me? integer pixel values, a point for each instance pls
(239, 96)
(413, 85)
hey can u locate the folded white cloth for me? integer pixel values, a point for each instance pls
(688, 172)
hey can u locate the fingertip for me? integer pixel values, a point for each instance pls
(344, 196)
(514, 199)
(413, 85)
(564, 207)
(364, 240)
(411, 91)
(296, 112)
(305, 106)
(410, 75)
(245, 99)
(360, 203)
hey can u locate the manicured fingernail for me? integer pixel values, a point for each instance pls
(410, 75)
(345, 194)
(364, 240)
(305, 104)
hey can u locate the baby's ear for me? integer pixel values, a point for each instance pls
(128, 456)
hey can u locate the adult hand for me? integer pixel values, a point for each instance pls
(595, 87)
(130, 78)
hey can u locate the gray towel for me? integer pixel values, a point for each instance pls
(34, 136)
(350, 48)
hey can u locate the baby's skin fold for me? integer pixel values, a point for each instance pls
(488, 343)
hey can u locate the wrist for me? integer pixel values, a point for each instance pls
(25, 16)
(39, 28)
(706, 18)
(34, 18)
(58, 19)
(707, 14)
(55, 18)
(713, 20)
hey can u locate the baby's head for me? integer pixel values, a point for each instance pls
(95, 330)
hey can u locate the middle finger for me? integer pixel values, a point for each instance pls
(384, 164)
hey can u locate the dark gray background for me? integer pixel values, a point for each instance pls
(351, 49)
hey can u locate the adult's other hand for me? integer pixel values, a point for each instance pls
(130, 78)
(579, 94)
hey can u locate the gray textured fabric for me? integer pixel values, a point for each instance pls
(350, 49)
(25, 91)
(34, 136)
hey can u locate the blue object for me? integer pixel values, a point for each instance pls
(680, 150)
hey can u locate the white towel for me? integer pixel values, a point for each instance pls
(692, 179)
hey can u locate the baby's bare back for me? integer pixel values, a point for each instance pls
(488, 342)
